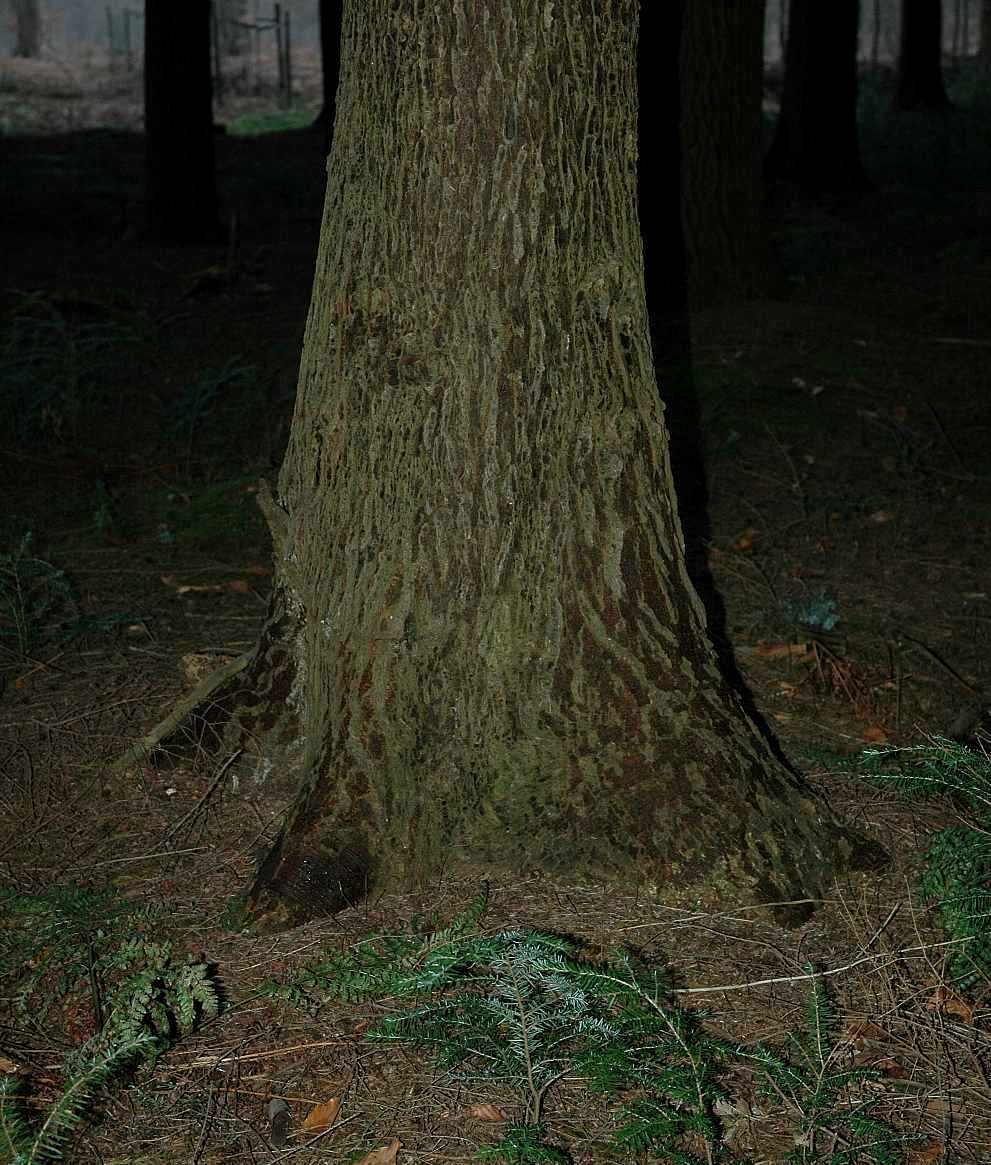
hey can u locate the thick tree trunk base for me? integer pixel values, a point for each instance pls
(734, 842)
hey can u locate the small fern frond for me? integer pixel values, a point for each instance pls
(48, 1141)
(524, 1145)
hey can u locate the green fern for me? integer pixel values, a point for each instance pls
(524, 1008)
(836, 1128)
(47, 1141)
(73, 939)
(524, 1145)
(958, 862)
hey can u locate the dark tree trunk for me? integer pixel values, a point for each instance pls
(876, 36)
(331, 14)
(232, 16)
(659, 196)
(815, 142)
(984, 51)
(919, 83)
(180, 182)
(722, 70)
(483, 645)
(27, 28)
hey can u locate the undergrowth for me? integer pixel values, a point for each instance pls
(526, 1010)
(957, 878)
(38, 600)
(36, 597)
(79, 963)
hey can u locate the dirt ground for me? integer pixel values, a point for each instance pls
(847, 426)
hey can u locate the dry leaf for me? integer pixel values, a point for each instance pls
(858, 1032)
(886, 1064)
(874, 734)
(487, 1112)
(744, 541)
(926, 1154)
(944, 1000)
(322, 1116)
(796, 651)
(385, 1155)
(7, 1065)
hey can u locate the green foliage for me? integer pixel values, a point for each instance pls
(522, 1009)
(958, 862)
(55, 353)
(71, 946)
(958, 877)
(70, 942)
(524, 1145)
(36, 598)
(221, 513)
(198, 397)
(275, 121)
(836, 1127)
(24, 1144)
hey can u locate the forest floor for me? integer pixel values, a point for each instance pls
(847, 428)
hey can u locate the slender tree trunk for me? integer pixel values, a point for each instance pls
(331, 13)
(180, 183)
(483, 643)
(984, 49)
(722, 69)
(232, 16)
(919, 83)
(27, 28)
(815, 142)
(876, 36)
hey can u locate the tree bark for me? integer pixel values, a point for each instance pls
(919, 82)
(27, 28)
(180, 180)
(815, 141)
(483, 643)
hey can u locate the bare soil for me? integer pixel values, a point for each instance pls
(847, 427)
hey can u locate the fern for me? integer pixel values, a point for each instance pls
(47, 1141)
(524, 1145)
(958, 862)
(523, 1008)
(814, 1085)
(73, 938)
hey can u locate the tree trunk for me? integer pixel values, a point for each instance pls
(483, 643)
(27, 28)
(984, 51)
(722, 70)
(919, 82)
(232, 18)
(331, 14)
(815, 141)
(180, 183)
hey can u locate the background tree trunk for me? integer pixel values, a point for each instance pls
(919, 82)
(180, 183)
(482, 622)
(27, 28)
(232, 17)
(722, 71)
(331, 14)
(984, 51)
(815, 141)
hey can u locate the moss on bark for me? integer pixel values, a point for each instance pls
(495, 649)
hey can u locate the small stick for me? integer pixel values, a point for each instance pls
(199, 804)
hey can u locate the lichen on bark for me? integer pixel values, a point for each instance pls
(495, 649)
